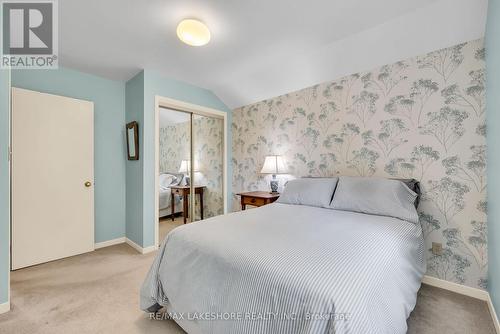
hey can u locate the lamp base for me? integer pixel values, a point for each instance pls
(274, 186)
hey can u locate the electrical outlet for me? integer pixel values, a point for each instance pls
(437, 248)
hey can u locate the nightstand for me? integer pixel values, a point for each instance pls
(257, 198)
(183, 191)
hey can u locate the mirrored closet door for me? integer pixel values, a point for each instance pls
(174, 167)
(187, 139)
(208, 158)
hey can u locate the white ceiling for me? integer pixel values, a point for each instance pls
(259, 48)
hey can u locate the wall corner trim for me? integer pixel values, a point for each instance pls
(142, 250)
(493, 313)
(5, 307)
(466, 291)
(458, 288)
(108, 243)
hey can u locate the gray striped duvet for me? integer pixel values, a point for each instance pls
(288, 269)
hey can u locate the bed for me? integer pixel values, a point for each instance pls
(285, 268)
(166, 180)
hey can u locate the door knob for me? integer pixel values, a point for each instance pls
(88, 184)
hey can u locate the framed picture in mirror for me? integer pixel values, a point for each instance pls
(132, 129)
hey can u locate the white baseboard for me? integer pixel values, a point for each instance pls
(493, 313)
(5, 307)
(109, 243)
(458, 288)
(127, 241)
(149, 249)
(467, 291)
(139, 248)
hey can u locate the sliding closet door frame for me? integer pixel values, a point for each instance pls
(194, 109)
(192, 193)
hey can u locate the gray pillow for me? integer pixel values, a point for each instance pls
(309, 191)
(375, 196)
(176, 180)
(413, 185)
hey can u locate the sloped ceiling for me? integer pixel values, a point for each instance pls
(259, 48)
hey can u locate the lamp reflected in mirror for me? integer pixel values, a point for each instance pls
(185, 169)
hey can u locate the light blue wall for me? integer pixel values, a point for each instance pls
(124, 190)
(493, 133)
(109, 136)
(155, 84)
(4, 186)
(134, 112)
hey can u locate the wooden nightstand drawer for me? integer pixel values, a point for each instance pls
(257, 198)
(253, 201)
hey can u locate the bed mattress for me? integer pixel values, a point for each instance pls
(289, 269)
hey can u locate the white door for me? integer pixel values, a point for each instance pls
(52, 177)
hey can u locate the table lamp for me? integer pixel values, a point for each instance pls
(273, 165)
(186, 170)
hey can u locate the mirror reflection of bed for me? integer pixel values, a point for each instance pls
(175, 137)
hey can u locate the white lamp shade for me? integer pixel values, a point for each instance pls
(185, 167)
(273, 165)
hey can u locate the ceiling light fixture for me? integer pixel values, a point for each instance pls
(193, 32)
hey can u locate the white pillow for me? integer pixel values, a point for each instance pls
(309, 191)
(376, 196)
(166, 180)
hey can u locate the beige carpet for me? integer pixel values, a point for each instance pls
(166, 225)
(98, 293)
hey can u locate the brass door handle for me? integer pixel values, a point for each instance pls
(88, 184)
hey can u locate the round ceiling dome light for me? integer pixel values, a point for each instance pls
(193, 32)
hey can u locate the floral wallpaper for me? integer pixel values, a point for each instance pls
(174, 147)
(208, 157)
(421, 118)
